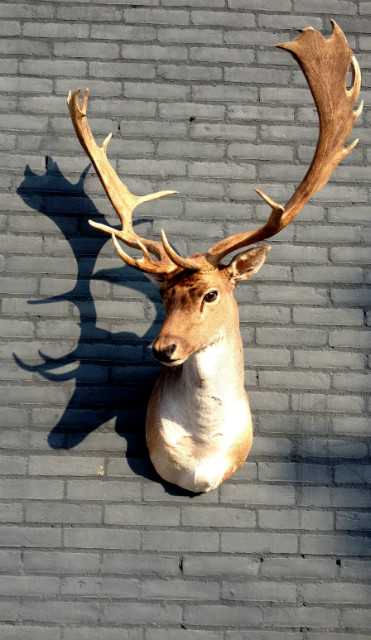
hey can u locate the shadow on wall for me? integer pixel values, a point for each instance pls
(99, 353)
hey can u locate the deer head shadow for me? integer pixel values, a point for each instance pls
(111, 378)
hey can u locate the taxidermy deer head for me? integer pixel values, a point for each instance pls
(198, 427)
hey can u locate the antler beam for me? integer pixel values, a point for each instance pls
(123, 201)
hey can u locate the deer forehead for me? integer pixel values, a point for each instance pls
(189, 288)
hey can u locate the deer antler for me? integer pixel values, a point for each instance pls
(325, 64)
(124, 202)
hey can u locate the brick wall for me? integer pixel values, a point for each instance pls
(93, 544)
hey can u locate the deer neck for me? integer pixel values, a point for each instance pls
(215, 370)
(206, 389)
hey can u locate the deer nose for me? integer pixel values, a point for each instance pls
(164, 354)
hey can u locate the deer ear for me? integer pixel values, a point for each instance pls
(154, 278)
(246, 264)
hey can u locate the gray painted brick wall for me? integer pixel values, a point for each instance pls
(93, 545)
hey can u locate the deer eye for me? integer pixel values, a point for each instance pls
(211, 296)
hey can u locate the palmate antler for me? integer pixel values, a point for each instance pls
(325, 64)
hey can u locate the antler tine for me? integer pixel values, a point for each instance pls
(325, 64)
(121, 198)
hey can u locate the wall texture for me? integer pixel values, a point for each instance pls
(93, 545)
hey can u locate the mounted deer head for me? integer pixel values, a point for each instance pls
(199, 428)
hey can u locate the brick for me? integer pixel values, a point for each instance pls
(323, 234)
(88, 633)
(141, 515)
(259, 591)
(14, 536)
(55, 30)
(191, 149)
(338, 497)
(14, 122)
(224, 93)
(328, 359)
(353, 521)
(268, 401)
(222, 615)
(10, 561)
(10, 513)
(259, 75)
(341, 545)
(334, 448)
(152, 52)
(359, 618)
(145, 612)
(292, 295)
(17, 9)
(260, 113)
(293, 472)
(352, 473)
(100, 587)
(103, 490)
(156, 16)
(93, 538)
(356, 426)
(21, 586)
(63, 513)
(315, 316)
(13, 465)
(55, 465)
(123, 32)
(143, 564)
(300, 567)
(221, 55)
(217, 517)
(289, 22)
(355, 569)
(180, 541)
(352, 297)
(333, 7)
(24, 47)
(223, 19)
(328, 403)
(295, 379)
(266, 542)
(60, 562)
(218, 565)
(332, 592)
(212, 4)
(331, 636)
(346, 275)
(8, 611)
(302, 617)
(290, 336)
(180, 634)
(40, 67)
(189, 36)
(220, 170)
(54, 611)
(290, 519)
(20, 631)
(28, 489)
(176, 589)
(86, 50)
(353, 381)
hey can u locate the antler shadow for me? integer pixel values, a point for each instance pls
(111, 379)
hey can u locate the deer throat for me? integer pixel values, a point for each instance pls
(204, 399)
